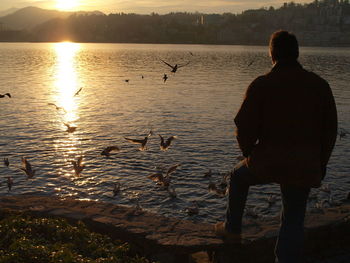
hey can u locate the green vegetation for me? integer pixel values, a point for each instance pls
(24, 239)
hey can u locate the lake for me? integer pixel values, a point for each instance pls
(197, 104)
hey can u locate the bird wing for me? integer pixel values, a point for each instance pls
(67, 125)
(170, 139)
(180, 66)
(172, 169)
(53, 104)
(8, 94)
(166, 63)
(77, 93)
(134, 140)
(26, 165)
(161, 139)
(157, 177)
(112, 148)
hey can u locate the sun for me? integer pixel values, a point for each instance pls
(67, 4)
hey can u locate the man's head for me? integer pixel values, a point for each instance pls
(283, 46)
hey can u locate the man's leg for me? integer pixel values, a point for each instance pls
(240, 181)
(289, 246)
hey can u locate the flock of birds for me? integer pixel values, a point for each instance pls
(162, 177)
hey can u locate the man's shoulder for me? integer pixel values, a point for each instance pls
(316, 78)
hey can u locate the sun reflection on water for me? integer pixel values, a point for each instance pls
(65, 86)
(66, 82)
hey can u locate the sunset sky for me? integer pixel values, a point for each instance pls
(147, 6)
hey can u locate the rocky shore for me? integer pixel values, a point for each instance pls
(174, 240)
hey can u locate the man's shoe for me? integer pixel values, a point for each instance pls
(228, 237)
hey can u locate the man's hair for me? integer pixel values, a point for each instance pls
(283, 45)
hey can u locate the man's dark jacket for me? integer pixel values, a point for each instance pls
(287, 126)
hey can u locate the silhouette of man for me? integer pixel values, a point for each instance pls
(286, 129)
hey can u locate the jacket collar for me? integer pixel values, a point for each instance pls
(286, 64)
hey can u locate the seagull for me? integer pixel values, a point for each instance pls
(165, 77)
(193, 210)
(6, 94)
(142, 141)
(78, 166)
(70, 129)
(176, 67)
(6, 162)
(57, 107)
(77, 93)
(160, 179)
(250, 63)
(107, 150)
(27, 168)
(9, 183)
(164, 145)
(116, 189)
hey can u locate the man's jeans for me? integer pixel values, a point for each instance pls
(290, 241)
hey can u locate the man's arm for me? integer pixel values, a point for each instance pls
(248, 119)
(329, 128)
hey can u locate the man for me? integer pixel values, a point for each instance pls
(286, 129)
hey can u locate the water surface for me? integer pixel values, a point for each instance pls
(197, 104)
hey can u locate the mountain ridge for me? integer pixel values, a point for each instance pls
(29, 17)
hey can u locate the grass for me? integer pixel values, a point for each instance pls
(25, 239)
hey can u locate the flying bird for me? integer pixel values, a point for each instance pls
(107, 150)
(78, 166)
(6, 162)
(6, 94)
(116, 189)
(27, 168)
(176, 67)
(57, 107)
(127, 80)
(140, 141)
(77, 93)
(165, 77)
(164, 145)
(9, 183)
(250, 63)
(160, 179)
(70, 129)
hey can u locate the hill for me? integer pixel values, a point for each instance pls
(29, 17)
(8, 11)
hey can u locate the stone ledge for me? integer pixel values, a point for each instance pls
(153, 234)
